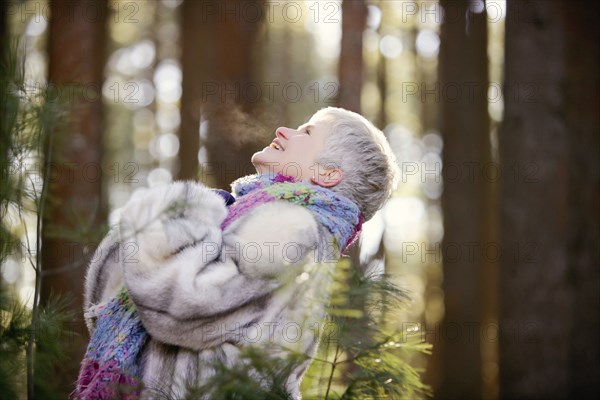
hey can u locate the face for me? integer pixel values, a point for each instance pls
(294, 152)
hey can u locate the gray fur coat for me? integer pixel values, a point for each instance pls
(203, 293)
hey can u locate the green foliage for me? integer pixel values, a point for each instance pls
(53, 334)
(15, 321)
(26, 335)
(259, 377)
(29, 117)
(15, 328)
(359, 357)
(363, 358)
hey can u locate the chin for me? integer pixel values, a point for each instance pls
(259, 160)
(260, 157)
(255, 157)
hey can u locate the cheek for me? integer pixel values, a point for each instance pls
(312, 153)
(303, 153)
(299, 155)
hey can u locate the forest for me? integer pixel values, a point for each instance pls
(478, 279)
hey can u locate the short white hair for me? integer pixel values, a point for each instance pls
(362, 152)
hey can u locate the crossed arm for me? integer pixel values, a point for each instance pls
(187, 275)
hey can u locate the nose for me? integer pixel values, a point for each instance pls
(283, 133)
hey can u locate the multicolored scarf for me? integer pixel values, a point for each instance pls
(111, 367)
(337, 213)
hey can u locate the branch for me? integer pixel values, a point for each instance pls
(38, 271)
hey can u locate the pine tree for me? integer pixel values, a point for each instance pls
(379, 366)
(30, 336)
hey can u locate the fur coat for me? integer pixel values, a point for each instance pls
(203, 293)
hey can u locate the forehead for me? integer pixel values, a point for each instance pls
(317, 128)
(322, 117)
(319, 121)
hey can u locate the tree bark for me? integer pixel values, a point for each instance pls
(197, 42)
(74, 211)
(463, 77)
(354, 22)
(535, 299)
(350, 73)
(582, 99)
(549, 142)
(219, 82)
(4, 33)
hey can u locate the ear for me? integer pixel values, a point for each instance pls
(328, 177)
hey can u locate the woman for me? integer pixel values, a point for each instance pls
(186, 281)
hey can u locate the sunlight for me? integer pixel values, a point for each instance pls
(428, 43)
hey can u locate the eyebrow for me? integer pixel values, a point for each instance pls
(306, 126)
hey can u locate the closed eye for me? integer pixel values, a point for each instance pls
(307, 131)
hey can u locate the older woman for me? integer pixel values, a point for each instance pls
(185, 280)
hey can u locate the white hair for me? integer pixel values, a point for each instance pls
(362, 152)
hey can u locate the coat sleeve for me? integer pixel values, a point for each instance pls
(104, 277)
(191, 282)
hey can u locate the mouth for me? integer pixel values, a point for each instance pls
(276, 144)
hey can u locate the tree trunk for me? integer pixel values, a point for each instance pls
(220, 86)
(74, 210)
(549, 143)
(581, 98)
(4, 33)
(354, 22)
(197, 42)
(463, 77)
(533, 143)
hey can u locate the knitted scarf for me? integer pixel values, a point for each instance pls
(337, 213)
(111, 366)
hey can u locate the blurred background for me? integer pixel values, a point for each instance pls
(491, 108)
